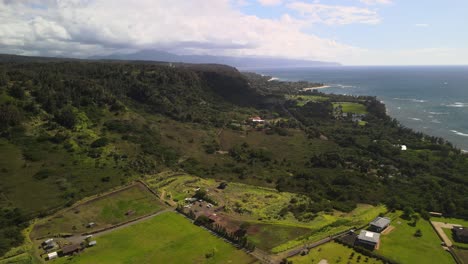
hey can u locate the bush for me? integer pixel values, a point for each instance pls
(42, 174)
(101, 142)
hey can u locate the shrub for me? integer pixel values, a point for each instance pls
(101, 142)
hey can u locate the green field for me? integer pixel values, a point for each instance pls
(304, 99)
(348, 107)
(167, 238)
(457, 221)
(334, 253)
(402, 246)
(104, 211)
(267, 236)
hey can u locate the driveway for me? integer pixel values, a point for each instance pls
(438, 227)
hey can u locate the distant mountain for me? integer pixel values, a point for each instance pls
(241, 62)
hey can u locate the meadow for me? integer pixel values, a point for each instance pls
(304, 99)
(334, 253)
(403, 246)
(166, 238)
(104, 211)
(348, 107)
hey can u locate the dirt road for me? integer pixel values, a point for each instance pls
(438, 227)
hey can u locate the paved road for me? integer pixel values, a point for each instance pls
(76, 239)
(438, 227)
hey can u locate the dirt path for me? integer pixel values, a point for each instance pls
(388, 230)
(438, 227)
(76, 239)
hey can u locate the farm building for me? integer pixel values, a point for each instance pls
(460, 233)
(71, 249)
(368, 239)
(48, 244)
(52, 255)
(379, 224)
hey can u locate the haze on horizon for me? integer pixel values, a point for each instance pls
(352, 32)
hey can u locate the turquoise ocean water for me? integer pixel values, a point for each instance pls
(430, 99)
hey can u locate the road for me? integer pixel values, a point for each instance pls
(438, 227)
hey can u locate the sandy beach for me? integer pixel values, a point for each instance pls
(318, 87)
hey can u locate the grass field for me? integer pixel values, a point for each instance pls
(402, 246)
(304, 99)
(334, 253)
(327, 224)
(167, 238)
(457, 221)
(462, 254)
(104, 211)
(348, 107)
(267, 236)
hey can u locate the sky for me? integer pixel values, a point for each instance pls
(352, 32)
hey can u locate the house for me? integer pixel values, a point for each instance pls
(368, 239)
(52, 255)
(256, 119)
(460, 234)
(71, 249)
(379, 224)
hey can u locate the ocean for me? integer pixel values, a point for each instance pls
(430, 99)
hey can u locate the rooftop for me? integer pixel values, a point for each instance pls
(369, 236)
(381, 222)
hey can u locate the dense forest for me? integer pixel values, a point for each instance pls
(69, 129)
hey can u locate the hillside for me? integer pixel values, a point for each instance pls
(70, 129)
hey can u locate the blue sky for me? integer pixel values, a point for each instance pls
(353, 32)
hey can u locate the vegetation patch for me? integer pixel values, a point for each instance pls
(104, 211)
(167, 238)
(348, 107)
(404, 246)
(333, 253)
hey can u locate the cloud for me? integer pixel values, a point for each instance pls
(376, 2)
(84, 28)
(334, 14)
(270, 2)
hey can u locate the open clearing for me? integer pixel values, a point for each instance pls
(402, 246)
(348, 107)
(334, 253)
(107, 210)
(304, 99)
(166, 238)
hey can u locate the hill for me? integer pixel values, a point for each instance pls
(243, 62)
(70, 129)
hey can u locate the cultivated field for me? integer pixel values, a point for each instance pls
(403, 246)
(334, 253)
(167, 238)
(104, 211)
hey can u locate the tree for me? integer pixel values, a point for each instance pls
(418, 233)
(66, 117)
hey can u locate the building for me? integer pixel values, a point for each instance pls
(403, 147)
(71, 249)
(92, 243)
(256, 119)
(52, 255)
(48, 244)
(368, 239)
(379, 224)
(460, 234)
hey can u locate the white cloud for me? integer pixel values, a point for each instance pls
(334, 14)
(376, 2)
(270, 2)
(84, 28)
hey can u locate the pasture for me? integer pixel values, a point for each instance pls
(403, 246)
(334, 253)
(107, 210)
(166, 238)
(348, 107)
